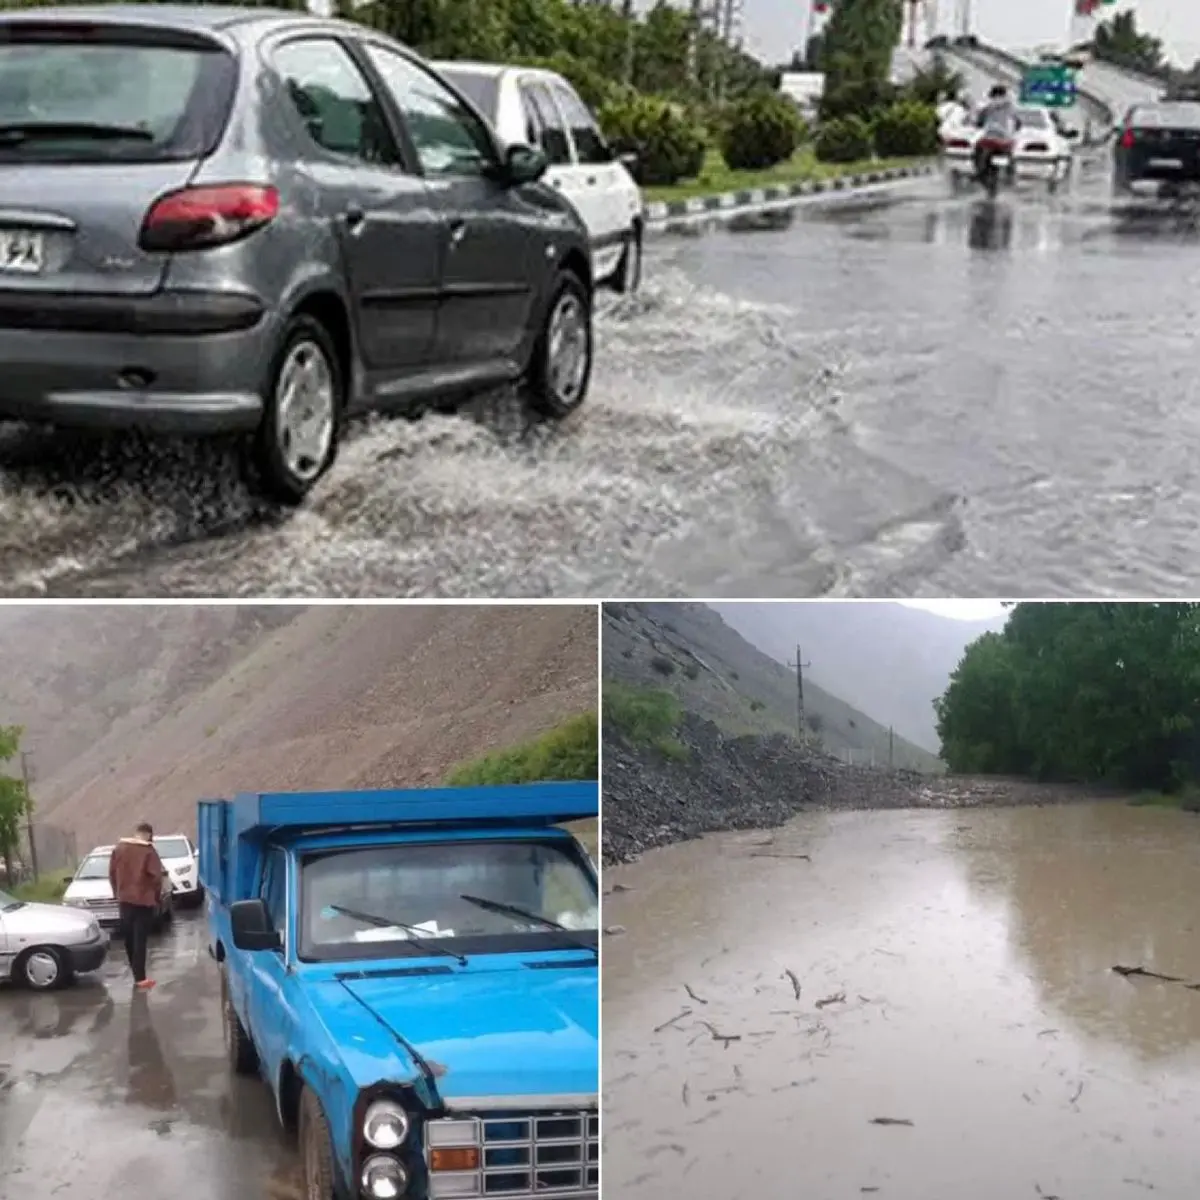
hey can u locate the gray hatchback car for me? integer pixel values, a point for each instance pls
(222, 220)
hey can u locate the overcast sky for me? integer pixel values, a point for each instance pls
(772, 25)
(960, 610)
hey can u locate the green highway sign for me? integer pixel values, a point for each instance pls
(1050, 84)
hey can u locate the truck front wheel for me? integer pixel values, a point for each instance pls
(316, 1150)
(243, 1058)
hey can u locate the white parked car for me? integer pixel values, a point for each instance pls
(1044, 148)
(44, 946)
(179, 857)
(90, 890)
(539, 108)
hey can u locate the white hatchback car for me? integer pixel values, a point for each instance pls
(539, 108)
(44, 946)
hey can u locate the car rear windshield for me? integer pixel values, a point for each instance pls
(1033, 118)
(483, 91)
(95, 95)
(1167, 116)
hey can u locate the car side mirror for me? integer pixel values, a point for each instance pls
(250, 924)
(629, 160)
(524, 164)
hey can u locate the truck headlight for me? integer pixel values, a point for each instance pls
(383, 1178)
(385, 1126)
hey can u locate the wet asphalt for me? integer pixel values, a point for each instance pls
(104, 1091)
(906, 392)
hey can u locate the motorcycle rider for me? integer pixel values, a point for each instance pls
(997, 121)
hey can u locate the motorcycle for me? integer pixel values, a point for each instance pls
(994, 157)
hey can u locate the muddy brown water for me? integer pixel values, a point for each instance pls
(953, 972)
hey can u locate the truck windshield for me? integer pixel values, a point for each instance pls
(539, 893)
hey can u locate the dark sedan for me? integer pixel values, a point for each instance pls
(1157, 149)
(224, 220)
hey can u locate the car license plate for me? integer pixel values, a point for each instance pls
(22, 251)
(1172, 164)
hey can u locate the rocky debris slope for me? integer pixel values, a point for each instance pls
(759, 782)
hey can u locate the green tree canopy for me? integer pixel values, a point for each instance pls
(1080, 692)
(14, 801)
(1120, 41)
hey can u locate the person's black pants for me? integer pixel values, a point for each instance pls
(136, 920)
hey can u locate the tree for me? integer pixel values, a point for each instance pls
(1081, 692)
(1119, 41)
(857, 56)
(14, 799)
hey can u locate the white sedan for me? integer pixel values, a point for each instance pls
(539, 108)
(1044, 147)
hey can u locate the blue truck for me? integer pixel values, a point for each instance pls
(414, 974)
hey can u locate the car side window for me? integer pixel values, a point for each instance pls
(534, 130)
(274, 888)
(590, 146)
(448, 137)
(335, 101)
(554, 143)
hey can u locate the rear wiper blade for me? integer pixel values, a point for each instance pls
(512, 910)
(23, 131)
(414, 934)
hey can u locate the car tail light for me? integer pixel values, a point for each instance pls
(198, 218)
(1128, 138)
(958, 144)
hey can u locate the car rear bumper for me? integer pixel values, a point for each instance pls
(88, 958)
(171, 363)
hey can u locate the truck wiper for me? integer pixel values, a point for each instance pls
(23, 131)
(512, 910)
(414, 934)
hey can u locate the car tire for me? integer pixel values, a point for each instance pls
(568, 317)
(628, 276)
(290, 456)
(317, 1179)
(43, 969)
(239, 1049)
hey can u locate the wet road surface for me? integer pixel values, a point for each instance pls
(907, 393)
(953, 972)
(105, 1092)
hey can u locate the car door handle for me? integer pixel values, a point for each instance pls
(353, 217)
(591, 180)
(458, 230)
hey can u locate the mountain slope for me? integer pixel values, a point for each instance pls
(717, 674)
(139, 712)
(884, 658)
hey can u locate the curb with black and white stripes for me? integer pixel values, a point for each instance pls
(660, 211)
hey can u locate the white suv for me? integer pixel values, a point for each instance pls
(539, 108)
(179, 857)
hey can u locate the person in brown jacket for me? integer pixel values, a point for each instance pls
(136, 874)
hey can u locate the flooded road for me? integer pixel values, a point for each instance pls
(904, 393)
(105, 1092)
(953, 971)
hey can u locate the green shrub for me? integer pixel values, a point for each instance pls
(843, 140)
(667, 140)
(568, 751)
(645, 716)
(908, 128)
(760, 131)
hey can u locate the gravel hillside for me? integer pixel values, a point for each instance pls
(135, 712)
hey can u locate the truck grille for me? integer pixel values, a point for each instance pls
(521, 1154)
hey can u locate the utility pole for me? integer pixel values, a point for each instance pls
(800, 664)
(891, 749)
(630, 20)
(26, 776)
